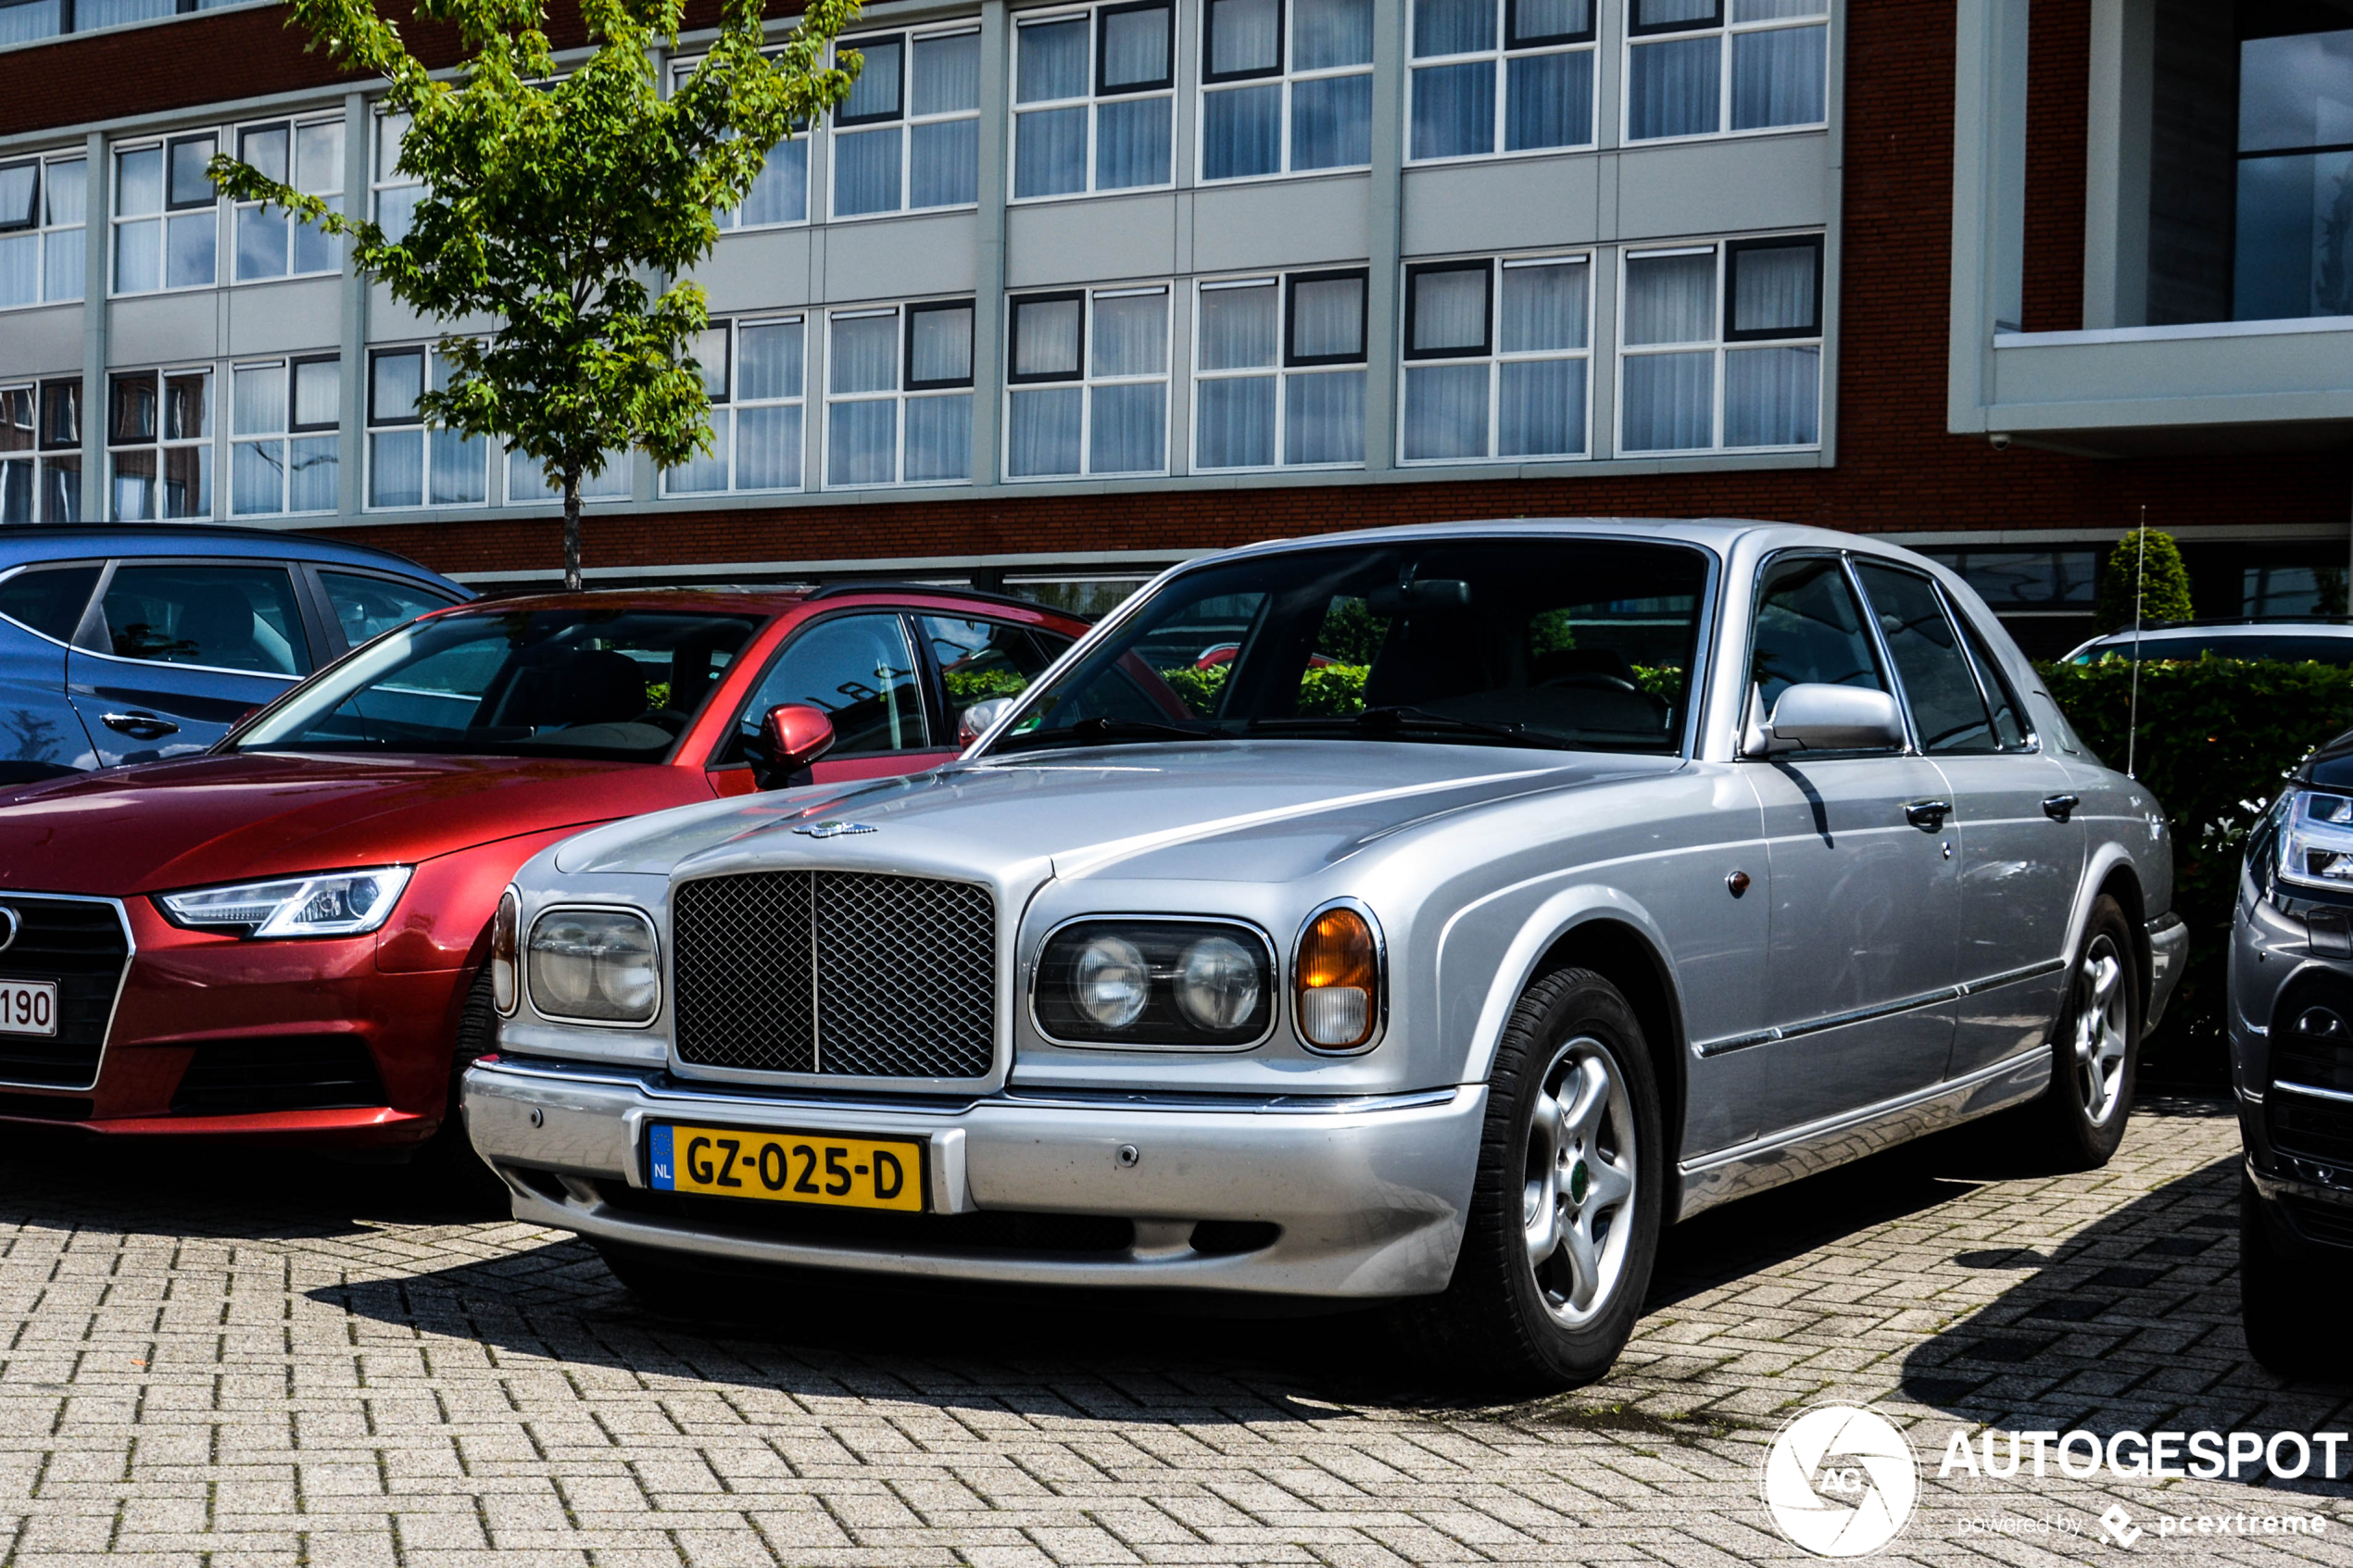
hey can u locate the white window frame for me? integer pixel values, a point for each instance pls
(1495, 356)
(906, 120)
(162, 217)
(1499, 58)
(903, 394)
(1721, 343)
(293, 431)
(1289, 76)
(1281, 371)
(1725, 29)
(160, 445)
(41, 230)
(1087, 380)
(373, 426)
(729, 400)
(1092, 100)
(293, 126)
(729, 219)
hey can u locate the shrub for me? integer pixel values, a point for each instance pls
(2160, 579)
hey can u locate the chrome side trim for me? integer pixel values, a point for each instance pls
(2012, 976)
(122, 982)
(1884, 1009)
(2338, 1095)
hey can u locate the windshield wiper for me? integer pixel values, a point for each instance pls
(1401, 717)
(1104, 727)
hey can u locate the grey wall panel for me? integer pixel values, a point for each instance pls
(1515, 205)
(391, 321)
(899, 257)
(166, 329)
(1724, 187)
(286, 317)
(41, 342)
(1281, 223)
(752, 271)
(1098, 240)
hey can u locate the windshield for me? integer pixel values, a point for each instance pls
(1582, 643)
(604, 683)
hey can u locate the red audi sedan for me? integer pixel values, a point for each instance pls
(285, 935)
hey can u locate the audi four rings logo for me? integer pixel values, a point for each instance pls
(10, 923)
(1840, 1481)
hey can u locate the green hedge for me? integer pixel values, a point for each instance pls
(2217, 735)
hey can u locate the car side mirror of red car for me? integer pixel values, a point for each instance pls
(797, 734)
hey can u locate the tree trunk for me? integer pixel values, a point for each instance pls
(571, 531)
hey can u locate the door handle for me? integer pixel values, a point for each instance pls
(1928, 814)
(2056, 807)
(140, 726)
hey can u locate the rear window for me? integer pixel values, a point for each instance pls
(50, 599)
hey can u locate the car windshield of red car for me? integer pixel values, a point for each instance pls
(606, 683)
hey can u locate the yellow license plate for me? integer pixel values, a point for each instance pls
(787, 1167)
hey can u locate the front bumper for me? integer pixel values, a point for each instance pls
(1349, 1197)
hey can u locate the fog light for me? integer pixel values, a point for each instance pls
(1111, 984)
(1338, 978)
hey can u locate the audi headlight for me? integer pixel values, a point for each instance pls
(2315, 842)
(595, 966)
(331, 904)
(1198, 982)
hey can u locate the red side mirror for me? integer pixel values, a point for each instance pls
(798, 736)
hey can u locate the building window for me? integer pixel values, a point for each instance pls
(1094, 101)
(1286, 85)
(908, 136)
(2295, 165)
(159, 445)
(1495, 359)
(780, 195)
(167, 224)
(2050, 580)
(1514, 74)
(397, 193)
(41, 453)
(410, 463)
(528, 484)
(1278, 372)
(1088, 375)
(307, 155)
(41, 204)
(28, 21)
(1693, 71)
(752, 371)
(282, 420)
(898, 398)
(1695, 376)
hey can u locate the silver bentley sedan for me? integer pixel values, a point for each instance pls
(1426, 916)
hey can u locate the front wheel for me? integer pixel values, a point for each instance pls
(2096, 1053)
(2288, 1310)
(1566, 1203)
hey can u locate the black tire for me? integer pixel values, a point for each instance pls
(1496, 1323)
(2081, 1117)
(2284, 1303)
(449, 1153)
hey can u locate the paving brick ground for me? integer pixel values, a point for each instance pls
(226, 1358)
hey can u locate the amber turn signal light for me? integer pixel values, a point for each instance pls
(1338, 980)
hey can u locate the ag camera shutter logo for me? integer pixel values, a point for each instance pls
(1840, 1481)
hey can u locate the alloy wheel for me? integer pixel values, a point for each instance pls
(1576, 1197)
(2101, 1026)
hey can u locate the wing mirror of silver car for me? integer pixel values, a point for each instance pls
(797, 734)
(978, 716)
(1818, 716)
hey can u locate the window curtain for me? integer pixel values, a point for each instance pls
(944, 163)
(1241, 132)
(91, 14)
(940, 437)
(261, 242)
(1331, 121)
(1673, 88)
(1053, 61)
(20, 195)
(397, 468)
(947, 74)
(15, 484)
(460, 469)
(862, 441)
(1045, 430)
(1238, 327)
(24, 24)
(1046, 333)
(1324, 418)
(865, 354)
(20, 270)
(1772, 396)
(1544, 308)
(866, 171)
(258, 401)
(1551, 18)
(1452, 26)
(877, 90)
(63, 252)
(1670, 298)
(1328, 33)
(1777, 76)
(191, 242)
(1540, 408)
(1548, 101)
(1327, 316)
(1773, 289)
(1667, 13)
(1233, 418)
(1774, 10)
(1450, 312)
(781, 194)
(1455, 110)
(1669, 402)
(1446, 411)
(1131, 335)
(1135, 48)
(1131, 143)
(312, 465)
(1129, 432)
(187, 481)
(256, 477)
(1049, 152)
(768, 362)
(942, 344)
(1245, 35)
(768, 448)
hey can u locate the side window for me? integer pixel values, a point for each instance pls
(860, 671)
(1809, 629)
(369, 607)
(2010, 717)
(228, 617)
(979, 660)
(1948, 711)
(49, 599)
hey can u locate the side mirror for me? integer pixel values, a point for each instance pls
(797, 735)
(977, 720)
(1818, 716)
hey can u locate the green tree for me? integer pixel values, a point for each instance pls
(565, 202)
(2159, 578)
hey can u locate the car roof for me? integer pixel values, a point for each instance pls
(759, 601)
(68, 541)
(1719, 533)
(2230, 629)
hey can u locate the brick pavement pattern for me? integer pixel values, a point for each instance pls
(239, 1358)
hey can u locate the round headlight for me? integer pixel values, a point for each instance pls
(1217, 988)
(1109, 983)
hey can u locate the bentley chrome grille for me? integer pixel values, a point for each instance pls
(853, 973)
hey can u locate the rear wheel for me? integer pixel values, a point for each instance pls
(2096, 1054)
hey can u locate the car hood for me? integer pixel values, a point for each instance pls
(238, 818)
(1260, 811)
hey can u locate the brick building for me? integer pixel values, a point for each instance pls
(1070, 291)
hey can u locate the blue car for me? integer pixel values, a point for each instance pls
(129, 643)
